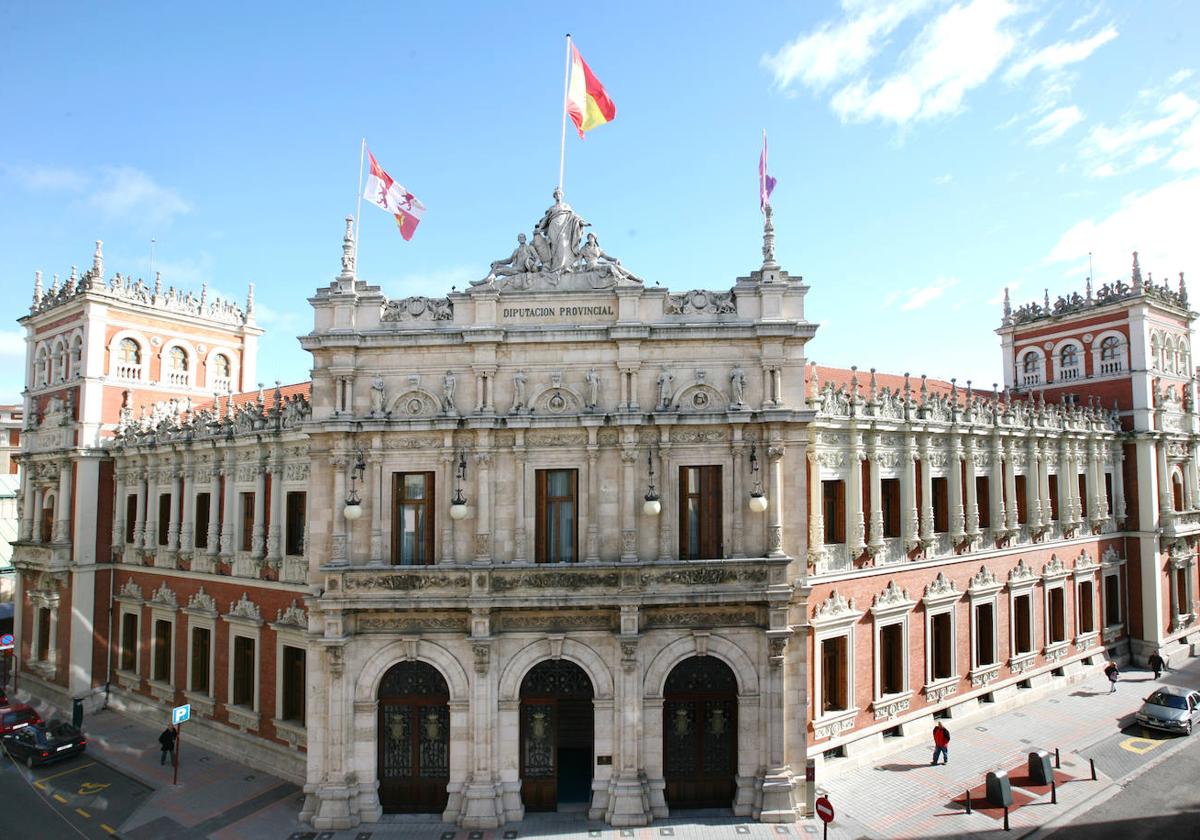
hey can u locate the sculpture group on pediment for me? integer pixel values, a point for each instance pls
(417, 308)
(701, 301)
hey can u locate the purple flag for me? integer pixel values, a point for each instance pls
(765, 182)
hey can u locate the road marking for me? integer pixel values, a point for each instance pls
(1140, 746)
(83, 813)
(61, 799)
(89, 788)
(108, 828)
(40, 783)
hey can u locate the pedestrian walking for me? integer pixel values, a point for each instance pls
(167, 741)
(941, 744)
(1158, 664)
(1113, 673)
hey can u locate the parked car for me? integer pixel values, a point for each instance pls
(43, 743)
(1171, 709)
(17, 716)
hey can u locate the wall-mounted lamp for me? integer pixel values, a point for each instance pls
(353, 508)
(758, 499)
(458, 505)
(652, 506)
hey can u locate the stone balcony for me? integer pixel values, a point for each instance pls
(1185, 523)
(41, 557)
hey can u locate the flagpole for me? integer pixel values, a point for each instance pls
(362, 153)
(562, 149)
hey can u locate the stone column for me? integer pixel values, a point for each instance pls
(875, 544)
(118, 533)
(926, 493)
(483, 511)
(778, 785)
(1010, 486)
(593, 509)
(1044, 482)
(374, 492)
(479, 808)
(39, 501)
(278, 514)
(1033, 500)
(28, 517)
(972, 492)
(173, 517)
(666, 495)
(214, 511)
(1102, 512)
(229, 506)
(816, 508)
(339, 550)
(187, 539)
(520, 548)
(1119, 482)
(908, 493)
(854, 509)
(775, 500)
(628, 503)
(150, 534)
(996, 485)
(625, 804)
(258, 545)
(62, 509)
(139, 522)
(1164, 479)
(955, 489)
(1066, 498)
(737, 450)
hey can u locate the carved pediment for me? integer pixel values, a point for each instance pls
(131, 591)
(835, 606)
(984, 580)
(415, 402)
(244, 608)
(1021, 573)
(293, 616)
(202, 602)
(165, 596)
(940, 587)
(700, 396)
(891, 598)
(1054, 568)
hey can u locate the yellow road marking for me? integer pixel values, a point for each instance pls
(61, 799)
(83, 813)
(39, 782)
(89, 788)
(108, 828)
(1140, 746)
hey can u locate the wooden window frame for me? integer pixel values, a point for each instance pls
(399, 501)
(206, 666)
(542, 517)
(124, 647)
(203, 518)
(132, 505)
(833, 499)
(293, 531)
(940, 490)
(162, 662)
(889, 502)
(163, 537)
(246, 503)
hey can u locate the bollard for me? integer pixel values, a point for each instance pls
(1057, 760)
(968, 802)
(1054, 793)
(1092, 761)
(1006, 818)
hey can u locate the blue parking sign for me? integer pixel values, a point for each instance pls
(180, 714)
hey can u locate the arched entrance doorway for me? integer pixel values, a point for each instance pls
(414, 739)
(700, 734)
(556, 736)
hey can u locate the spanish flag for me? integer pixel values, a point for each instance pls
(587, 101)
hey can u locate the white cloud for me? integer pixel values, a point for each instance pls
(1060, 54)
(1086, 18)
(956, 52)
(39, 179)
(944, 179)
(921, 296)
(12, 365)
(125, 192)
(1139, 139)
(1159, 224)
(1054, 125)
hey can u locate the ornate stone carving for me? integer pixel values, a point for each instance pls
(244, 608)
(832, 728)
(555, 621)
(704, 577)
(202, 602)
(891, 596)
(701, 302)
(555, 580)
(1054, 568)
(482, 654)
(165, 596)
(294, 616)
(938, 693)
(131, 591)
(565, 438)
(983, 579)
(691, 435)
(940, 587)
(700, 618)
(1021, 573)
(887, 709)
(985, 676)
(417, 308)
(405, 582)
(833, 606)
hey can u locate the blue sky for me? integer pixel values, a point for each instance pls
(928, 152)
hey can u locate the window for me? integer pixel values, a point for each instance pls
(247, 539)
(983, 500)
(1112, 600)
(891, 659)
(833, 674)
(1177, 492)
(297, 507)
(41, 374)
(129, 352)
(164, 518)
(1110, 355)
(1083, 496)
(1022, 624)
(941, 505)
(47, 523)
(60, 362)
(700, 513)
(833, 498)
(1068, 362)
(243, 671)
(1056, 615)
(43, 634)
(203, 514)
(412, 519)
(1022, 502)
(201, 660)
(1031, 368)
(985, 634)
(293, 683)
(76, 357)
(1183, 599)
(1087, 622)
(129, 642)
(1052, 482)
(1108, 493)
(131, 512)
(889, 492)
(177, 367)
(162, 651)
(941, 631)
(557, 516)
(220, 373)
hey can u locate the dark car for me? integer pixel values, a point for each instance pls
(17, 716)
(44, 743)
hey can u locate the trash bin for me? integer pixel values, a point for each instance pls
(1040, 771)
(999, 791)
(77, 713)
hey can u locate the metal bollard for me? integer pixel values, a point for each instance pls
(1092, 761)
(1057, 760)
(1054, 793)
(968, 802)
(1006, 828)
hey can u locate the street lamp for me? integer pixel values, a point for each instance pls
(353, 507)
(458, 505)
(652, 506)
(758, 499)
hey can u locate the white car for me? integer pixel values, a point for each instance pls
(1171, 709)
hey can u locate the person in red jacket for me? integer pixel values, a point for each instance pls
(941, 744)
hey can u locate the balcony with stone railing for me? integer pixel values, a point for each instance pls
(1183, 523)
(127, 372)
(178, 378)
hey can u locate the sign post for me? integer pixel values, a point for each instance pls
(824, 810)
(179, 715)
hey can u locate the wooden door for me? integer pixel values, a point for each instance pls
(556, 735)
(414, 740)
(700, 734)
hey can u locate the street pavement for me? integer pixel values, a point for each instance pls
(119, 789)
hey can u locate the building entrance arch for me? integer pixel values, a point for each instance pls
(414, 739)
(557, 732)
(700, 742)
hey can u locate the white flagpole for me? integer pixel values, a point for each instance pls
(562, 149)
(362, 153)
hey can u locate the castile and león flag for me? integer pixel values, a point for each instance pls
(383, 191)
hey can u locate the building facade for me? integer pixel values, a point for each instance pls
(565, 540)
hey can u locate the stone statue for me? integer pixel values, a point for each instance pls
(518, 390)
(594, 259)
(448, 383)
(664, 388)
(593, 383)
(524, 260)
(737, 386)
(378, 394)
(561, 228)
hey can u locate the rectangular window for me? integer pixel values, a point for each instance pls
(293, 683)
(941, 629)
(1022, 623)
(1022, 501)
(297, 511)
(889, 494)
(1053, 481)
(1086, 609)
(983, 500)
(412, 519)
(43, 634)
(201, 656)
(1057, 617)
(47, 523)
(247, 521)
(941, 505)
(1083, 497)
(129, 642)
(700, 535)
(1108, 493)
(985, 634)
(243, 671)
(131, 512)
(1183, 600)
(833, 495)
(203, 512)
(833, 674)
(164, 518)
(1112, 600)
(557, 516)
(891, 659)
(162, 651)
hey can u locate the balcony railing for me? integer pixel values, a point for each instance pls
(1031, 379)
(220, 385)
(178, 378)
(129, 372)
(1068, 373)
(1110, 367)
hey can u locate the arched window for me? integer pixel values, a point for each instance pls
(1110, 355)
(1068, 362)
(177, 366)
(1155, 352)
(76, 357)
(129, 359)
(60, 362)
(41, 373)
(1031, 368)
(221, 373)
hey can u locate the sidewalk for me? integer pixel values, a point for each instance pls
(901, 796)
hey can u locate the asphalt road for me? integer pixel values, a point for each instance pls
(79, 797)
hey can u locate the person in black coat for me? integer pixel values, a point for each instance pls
(167, 741)
(1158, 664)
(1113, 673)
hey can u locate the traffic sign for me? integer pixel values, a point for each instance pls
(824, 809)
(6, 641)
(180, 714)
